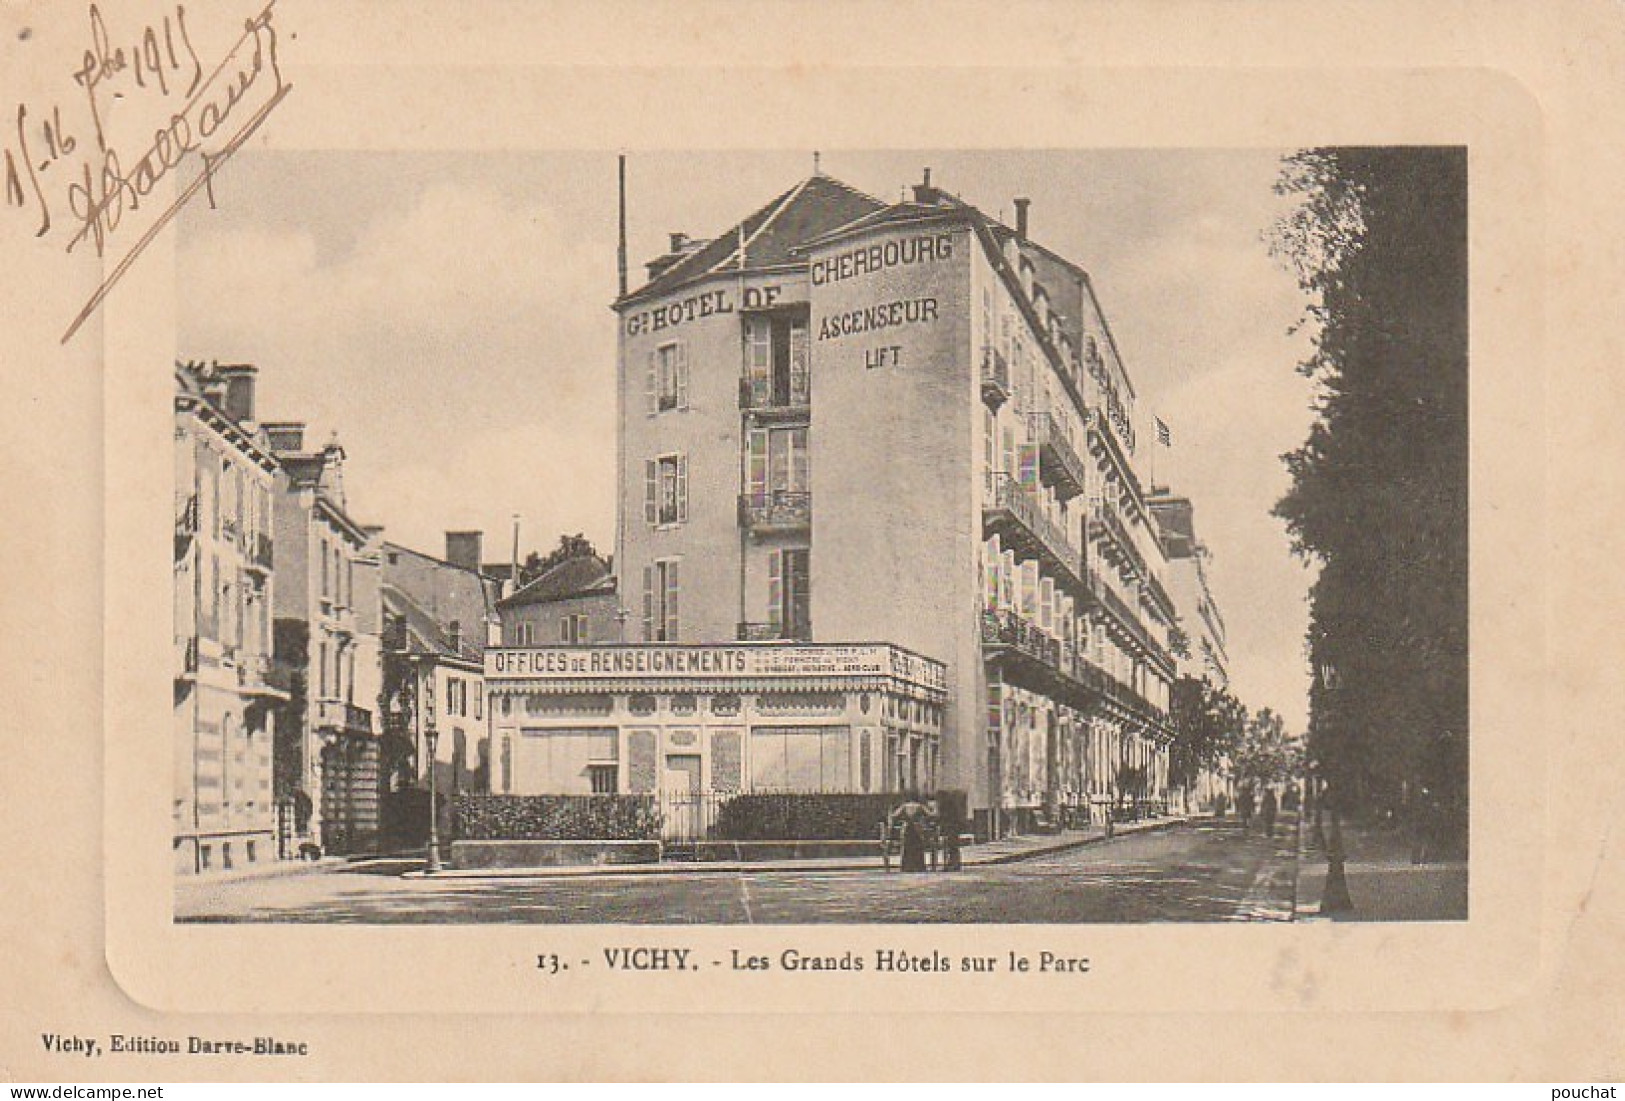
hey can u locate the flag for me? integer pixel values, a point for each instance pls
(1163, 436)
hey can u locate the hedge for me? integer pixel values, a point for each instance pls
(810, 817)
(555, 818)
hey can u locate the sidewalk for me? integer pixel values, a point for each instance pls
(1383, 883)
(1006, 851)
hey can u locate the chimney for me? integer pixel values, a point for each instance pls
(1021, 217)
(285, 435)
(679, 241)
(464, 548)
(924, 193)
(238, 398)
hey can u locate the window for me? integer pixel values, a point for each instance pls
(660, 589)
(573, 629)
(668, 378)
(321, 665)
(602, 778)
(479, 700)
(665, 490)
(776, 361)
(777, 463)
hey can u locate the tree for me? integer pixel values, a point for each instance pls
(1207, 722)
(1264, 754)
(570, 546)
(1379, 489)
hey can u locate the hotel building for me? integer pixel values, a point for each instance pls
(225, 686)
(881, 526)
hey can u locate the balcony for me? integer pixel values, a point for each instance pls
(344, 717)
(774, 632)
(1058, 462)
(1128, 619)
(1049, 665)
(765, 406)
(186, 658)
(257, 548)
(185, 525)
(1106, 524)
(1105, 445)
(774, 511)
(258, 675)
(1012, 512)
(995, 377)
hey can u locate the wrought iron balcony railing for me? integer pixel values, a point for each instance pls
(342, 716)
(775, 510)
(260, 550)
(1106, 523)
(1011, 511)
(774, 632)
(1059, 665)
(186, 653)
(760, 401)
(1058, 462)
(995, 377)
(259, 675)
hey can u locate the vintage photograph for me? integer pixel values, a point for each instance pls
(823, 537)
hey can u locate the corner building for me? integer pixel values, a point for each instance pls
(848, 421)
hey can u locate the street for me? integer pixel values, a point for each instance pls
(1200, 871)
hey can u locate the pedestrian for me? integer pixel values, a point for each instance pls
(1268, 811)
(1244, 806)
(1221, 803)
(913, 816)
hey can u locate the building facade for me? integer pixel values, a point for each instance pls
(694, 725)
(573, 603)
(1200, 640)
(845, 419)
(328, 622)
(225, 686)
(439, 615)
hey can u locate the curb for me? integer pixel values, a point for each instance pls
(769, 867)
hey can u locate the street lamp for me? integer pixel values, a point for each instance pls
(1335, 898)
(430, 737)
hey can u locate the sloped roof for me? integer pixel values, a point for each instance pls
(586, 575)
(812, 208)
(424, 634)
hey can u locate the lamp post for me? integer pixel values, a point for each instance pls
(1335, 898)
(430, 737)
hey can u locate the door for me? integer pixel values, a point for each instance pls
(681, 801)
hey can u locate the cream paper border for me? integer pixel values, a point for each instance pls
(1314, 998)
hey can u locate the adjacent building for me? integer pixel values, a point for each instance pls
(1199, 641)
(328, 618)
(439, 614)
(575, 602)
(1201, 649)
(226, 688)
(881, 525)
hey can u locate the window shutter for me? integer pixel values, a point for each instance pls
(758, 361)
(756, 474)
(800, 372)
(652, 394)
(682, 488)
(651, 486)
(671, 601)
(775, 590)
(680, 368)
(799, 466)
(648, 604)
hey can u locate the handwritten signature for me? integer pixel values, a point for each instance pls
(221, 110)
